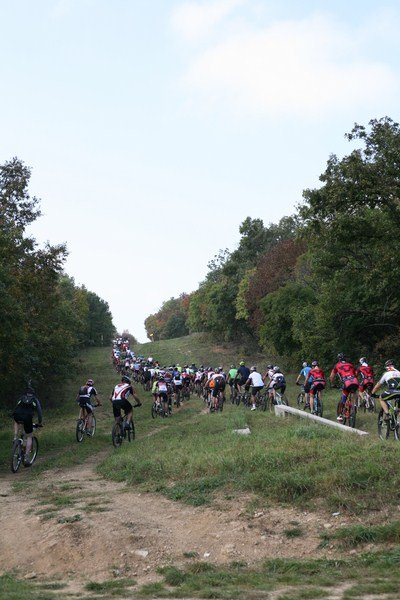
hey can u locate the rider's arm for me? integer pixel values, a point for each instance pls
(39, 411)
(332, 375)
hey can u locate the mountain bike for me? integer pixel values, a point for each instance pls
(318, 407)
(385, 426)
(367, 401)
(157, 409)
(19, 447)
(185, 392)
(262, 400)
(122, 430)
(349, 410)
(302, 399)
(281, 398)
(82, 426)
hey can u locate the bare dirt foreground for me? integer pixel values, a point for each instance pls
(77, 527)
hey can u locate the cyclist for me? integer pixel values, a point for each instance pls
(119, 398)
(256, 381)
(278, 382)
(217, 386)
(392, 380)
(84, 398)
(242, 375)
(163, 394)
(307, 381)
(348, 376)
(366, 374)
(231, 379)
(23, 413)
(317, 380)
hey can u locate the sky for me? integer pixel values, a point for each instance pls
(153, 128)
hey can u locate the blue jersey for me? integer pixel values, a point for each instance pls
(304, 372)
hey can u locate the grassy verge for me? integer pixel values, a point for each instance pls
(289, 579)
(283, 460)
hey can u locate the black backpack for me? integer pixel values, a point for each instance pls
(27, 399)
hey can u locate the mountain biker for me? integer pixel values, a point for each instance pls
(217, 386)
(256, 381)
(84, 399)
(231, 378)
(366, 374)
(348, 376)
(392, 380)
(317, 380)
(278, 382)
(307, 381)
(242, 375)
(119, 399)
(23, 413)
(163, 394)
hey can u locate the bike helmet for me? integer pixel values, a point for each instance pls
(389, 363)
(270, 366)
(305, 365)
(125, 379)
(233, 367)
(277, 370)
(363, 360)
(90, 382)
(242, 363)
(253, 368)
(314, 363)
(340, 356)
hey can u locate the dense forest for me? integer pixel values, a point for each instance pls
(320, 281)
(45, 317)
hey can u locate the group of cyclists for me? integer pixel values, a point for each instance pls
(170, 385)
(354, 382)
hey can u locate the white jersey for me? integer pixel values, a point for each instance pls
(389, 375)
(256, 379)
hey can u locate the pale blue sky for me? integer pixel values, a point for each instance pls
(154, 128)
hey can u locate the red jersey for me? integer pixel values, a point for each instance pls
(344, 369)
(366, 372)
(316, 375)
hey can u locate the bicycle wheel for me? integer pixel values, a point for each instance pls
(93, 429)
(396, 428)
(116, 435)
(80, 430)
(263, 403)
(16, 455)
(154, 410)
(284, 400)
(352, 417)
(131, 432)
(320, 408)
(380, 424)
(300, 399)
(238, 398)
(34, 451)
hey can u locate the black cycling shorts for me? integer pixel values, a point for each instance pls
(391, 395)
(280, 387)
(124, 404)
(256, 388)
(85, 403)
(25, 418)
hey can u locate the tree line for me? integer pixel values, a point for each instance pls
(320, 281)
(45, 317)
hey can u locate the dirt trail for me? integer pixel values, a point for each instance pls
(99, 529)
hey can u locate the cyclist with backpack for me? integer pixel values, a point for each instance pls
(23, 413)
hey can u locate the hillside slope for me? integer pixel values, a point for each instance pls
(199, 349)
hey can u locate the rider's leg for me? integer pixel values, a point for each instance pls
(28, 443)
